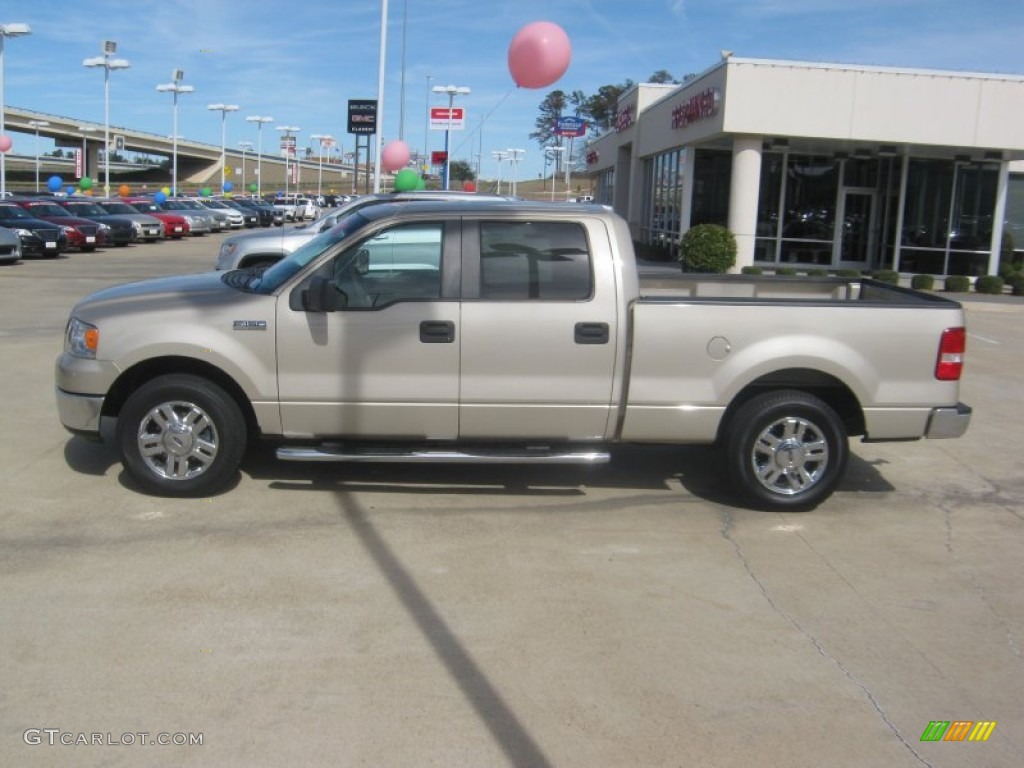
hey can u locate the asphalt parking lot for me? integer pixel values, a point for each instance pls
(408, 616)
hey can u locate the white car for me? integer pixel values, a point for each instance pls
(235, 218)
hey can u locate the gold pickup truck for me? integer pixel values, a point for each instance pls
(505, 331)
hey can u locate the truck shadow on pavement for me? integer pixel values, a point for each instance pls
(697, 470)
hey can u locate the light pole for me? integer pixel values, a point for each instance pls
(245, 146)
(259, 120)
(223, 109)
(105, 61)
(426, 129)
(6, 30)
(552, 154)
(176, 87)
(513, 156)
(452, 91)
(323, 139)
(37, 124)
(289, 140)
(500, 156)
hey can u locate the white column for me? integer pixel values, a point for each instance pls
(998, 216)
(743, 193)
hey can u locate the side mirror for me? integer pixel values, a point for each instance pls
(322, 296)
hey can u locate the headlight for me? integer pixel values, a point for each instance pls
(227, 250)
(137, 227)
(104, 227)
(24, 232)
(81, 339)
(68, 230)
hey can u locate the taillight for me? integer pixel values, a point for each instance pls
(950, 363)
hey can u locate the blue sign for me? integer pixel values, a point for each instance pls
(570, 126)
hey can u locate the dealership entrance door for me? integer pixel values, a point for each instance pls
(857, 238)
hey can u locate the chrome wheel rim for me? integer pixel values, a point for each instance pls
(177, 440)
(790, 456)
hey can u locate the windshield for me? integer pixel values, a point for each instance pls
(48, 209)
(177, 205)
(274, 277)
(13, 212)
(89, 209)
(213, 204)
(117, 208)
(147, 207)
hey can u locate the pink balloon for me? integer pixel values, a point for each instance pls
(5, 143)
(394, 156)
(539, 54)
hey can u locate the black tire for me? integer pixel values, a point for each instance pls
(199, 454)
(786, 450)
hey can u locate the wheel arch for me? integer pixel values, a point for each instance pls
(826, 387)
(147, 370)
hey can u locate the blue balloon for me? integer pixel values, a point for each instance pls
(228, 186)
(70, 190)
(160, 197)
(55, 183)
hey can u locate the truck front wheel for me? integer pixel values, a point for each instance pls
(181, 435)
(786, 450)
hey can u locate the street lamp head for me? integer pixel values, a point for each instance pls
(119, 64)
(223, 107)
(289, 128)
(94, 61)
(15, 30)
(259, 119)
(109, 47)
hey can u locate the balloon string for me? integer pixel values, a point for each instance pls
(483, 120)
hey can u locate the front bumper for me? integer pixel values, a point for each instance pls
(80, 414)
(948, 422)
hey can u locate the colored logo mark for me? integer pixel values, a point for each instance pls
(958, 730)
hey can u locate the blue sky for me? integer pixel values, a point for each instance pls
(300, 62)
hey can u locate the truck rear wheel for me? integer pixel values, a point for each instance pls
(181, 435)
(786, 450)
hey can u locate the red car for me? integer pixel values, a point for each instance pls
(83, 234)
(175, 226)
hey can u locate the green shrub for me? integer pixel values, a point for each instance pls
(888, 276)
(922, 282)
(816, 272)
(958, 284)
(849, 273)
(785, 271)
(989, 284)
(752, 271)
(709, 248)
(1016, 282)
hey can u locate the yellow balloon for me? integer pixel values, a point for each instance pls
(165, 190)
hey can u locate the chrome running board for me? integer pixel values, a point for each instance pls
(480, 455)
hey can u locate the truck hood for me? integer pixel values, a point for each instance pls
(206, 291)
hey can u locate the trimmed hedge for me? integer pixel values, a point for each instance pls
(708, 248)
(958, 284)
(849, 273)
(922, 282)
(752, 271)
(888, 276)
(817, 272)
(1016, 282)
(786, 271)
(989, 284)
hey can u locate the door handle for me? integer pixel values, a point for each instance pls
(591, 333)
(437, 332)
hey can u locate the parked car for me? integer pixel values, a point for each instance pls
(148, 228)
(235, 219)
(176, 226)
(250, 218)
(200, 220)
(83, 234)
(261, 249)
(10, 246)
(38, 237)
(122, 231)
(268, 216)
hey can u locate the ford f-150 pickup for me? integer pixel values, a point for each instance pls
(505, 332)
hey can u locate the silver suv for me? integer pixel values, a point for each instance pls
(261, 249)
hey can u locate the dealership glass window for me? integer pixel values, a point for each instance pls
(605, 188)
(712, 174)
(769, 201)
(663, 199)
(947, 224)
(1013, 227)
(811, 189)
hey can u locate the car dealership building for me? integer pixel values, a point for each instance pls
(824, 165)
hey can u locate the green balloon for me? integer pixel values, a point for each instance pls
(253, 187)
(421, 183)
(206, 191)
(85, 183)
(406, 180)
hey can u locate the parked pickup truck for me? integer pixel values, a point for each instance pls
(504, 332)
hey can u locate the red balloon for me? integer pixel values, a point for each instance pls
(5, 143)
(539, 54)
(469, 186)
